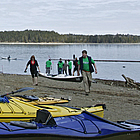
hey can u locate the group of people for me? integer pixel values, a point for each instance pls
(62, 67)
(84, 64)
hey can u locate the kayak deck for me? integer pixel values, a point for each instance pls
(41, 100)
(17, 110)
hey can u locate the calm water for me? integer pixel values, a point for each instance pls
(106, 70)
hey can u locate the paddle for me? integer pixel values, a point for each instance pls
(19, 90)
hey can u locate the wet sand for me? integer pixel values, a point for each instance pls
(122, 103)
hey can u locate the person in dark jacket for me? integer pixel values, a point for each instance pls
(85, 65)
(75, 63)
(33, 69)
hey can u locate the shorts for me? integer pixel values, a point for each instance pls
(76, 69)
(34, 74)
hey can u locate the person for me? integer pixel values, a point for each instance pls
(60, 66)
(33, 69)
(48, 66)
(8, 57)
(85, 65)
(70, 67)
(75, 63)
(65, 65)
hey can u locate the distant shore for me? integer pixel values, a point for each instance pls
(43, 43)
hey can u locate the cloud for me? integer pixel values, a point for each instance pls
(69, 16)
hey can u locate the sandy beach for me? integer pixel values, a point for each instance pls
(122, 103)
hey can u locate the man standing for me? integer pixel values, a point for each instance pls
(70, 67)
(75, 63)
(85, 65)
(60, 66)
(65, 65)
(48, 66)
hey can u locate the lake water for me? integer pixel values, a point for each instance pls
(106, 70)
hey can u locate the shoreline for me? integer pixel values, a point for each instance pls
(109, 81)
(44, 43)
(122, 102)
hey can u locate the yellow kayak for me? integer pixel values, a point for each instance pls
(34, 100)
(58, 111)
(16, 110)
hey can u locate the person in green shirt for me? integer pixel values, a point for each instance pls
(85, 65)
(60, 66)
(48, 66)
(70, 67)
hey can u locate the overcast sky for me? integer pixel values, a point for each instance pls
(71, 16)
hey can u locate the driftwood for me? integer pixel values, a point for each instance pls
(131, 83)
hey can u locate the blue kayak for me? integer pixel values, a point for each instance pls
(83, 126)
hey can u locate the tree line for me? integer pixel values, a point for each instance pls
(37, 36)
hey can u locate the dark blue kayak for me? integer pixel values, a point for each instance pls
(83, 126)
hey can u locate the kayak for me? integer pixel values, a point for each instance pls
(63, 110)
(130, 123)
(77, 127)
(6, 58)
(59, 111)
(34, 100)
(62, 77)
(14, 110)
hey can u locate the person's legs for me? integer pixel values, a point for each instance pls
(63, 71)
(36, 82)
(66, 72)
(59, 70)
(74, 71)
(70, 72)
(85, 81)
(48, 70)
(33, 80)
(32, 73)
(89, 75)
(77, 73)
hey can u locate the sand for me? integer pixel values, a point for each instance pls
(122, 102)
